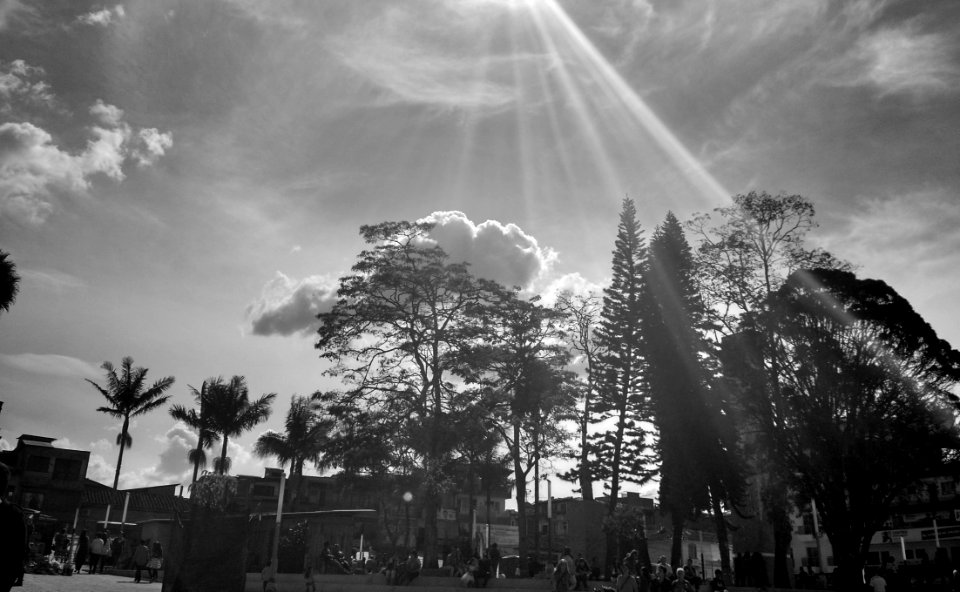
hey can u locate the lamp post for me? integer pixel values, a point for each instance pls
(407, 498)
(276, 535)
(549, 519)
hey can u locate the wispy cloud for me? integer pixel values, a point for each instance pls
(52, 279)
(50, 365)
(103, 17)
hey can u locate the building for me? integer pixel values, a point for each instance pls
(46, 480)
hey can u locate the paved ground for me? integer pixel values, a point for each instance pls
(85, 583)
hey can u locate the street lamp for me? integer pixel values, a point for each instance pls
(407, 498)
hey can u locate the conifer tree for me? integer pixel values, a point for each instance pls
(621, 406)
(698, 468)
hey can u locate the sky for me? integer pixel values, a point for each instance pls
(183, 182)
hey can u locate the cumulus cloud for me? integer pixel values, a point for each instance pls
(50, 365)
(22, 88)
(102, 17)
(570, 283)
(34, 170)
(287, 306)
(496, 251)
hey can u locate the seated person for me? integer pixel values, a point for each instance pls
(411, 570)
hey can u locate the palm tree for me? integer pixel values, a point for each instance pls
(230, 413)
(304, 438)
(128, 397)
(9, 282)
(197, 419)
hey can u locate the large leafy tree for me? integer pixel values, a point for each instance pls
(699, 468)
(622, 406)
(582, 314)
(304, 437)
(231, 412)
(396, 336)
(860, 405)
(128, 396)
(9, 282)
(528, 392)
(198, 419)
(746, 251)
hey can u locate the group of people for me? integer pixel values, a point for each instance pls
(572, 574)
(101, 550)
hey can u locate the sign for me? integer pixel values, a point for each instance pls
(503, 534)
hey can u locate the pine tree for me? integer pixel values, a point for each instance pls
(692, 446)
(621, 404)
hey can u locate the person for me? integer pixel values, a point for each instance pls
(663, 565)
(155, 562)
(96, 553)
(268, 577)
(309, 581)
(564, 574)
(482, 575)
(626, 582)
(758, 570)
(718, 584)
(13, 536)
(494, 560)
(391, 570)
(83, 547)
(141, 555)
(680, 583)
(631, 562)
(411, 569)
(594, 568)
(878, 583)
(116, 548)
(582, 572)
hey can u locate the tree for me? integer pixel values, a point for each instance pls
(759, 241)
(197, 419)
(9, 282)
(621, 451)
(699, 468)
(303, 439)
(860, 406)
(583, 316)
(396, 336)
(128, 396)
(231, 412)
(527, 391)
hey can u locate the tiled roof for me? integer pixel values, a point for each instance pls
(97, 494)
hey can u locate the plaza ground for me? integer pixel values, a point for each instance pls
(84, 583)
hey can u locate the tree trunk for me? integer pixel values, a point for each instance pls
(123, 444)
(586, 482)
(520, 482)
(723, 539)
(223, 456)
(676, 544)
(536, 512)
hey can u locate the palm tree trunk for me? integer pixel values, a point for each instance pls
(196, 465)
(123, 443)
(223, 456)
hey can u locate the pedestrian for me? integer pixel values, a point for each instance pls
(565, 570)
(582, 570)
(96, 553)
(494, 560)
(156, 561)
(718, 584)
(13, 536)
(83, 548)
(141, 555)
(626, 582)
(680, 583)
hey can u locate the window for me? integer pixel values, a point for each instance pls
(561, 527)
(948, 487)
(38, 464)
(66, 469)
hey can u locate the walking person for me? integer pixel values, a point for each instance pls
(141, 555)
(96, 553)
(156, 561)
(83, 548)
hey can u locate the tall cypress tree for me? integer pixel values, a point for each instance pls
(621, 446)
(697, 470)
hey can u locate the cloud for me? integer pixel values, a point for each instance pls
(22, 89)
(35, 171)
(440, 54)
(496, 251)
(52, 279)
(103, 17)
(287, 306)
(899, 61)
(50, 365)
(571, 283)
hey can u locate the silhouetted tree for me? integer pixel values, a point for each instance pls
(128, 396)
(9, 282)
(231, 412)
(197, 419)
(621, 445)
(395, 336)
(303, 439)
(860, 405)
